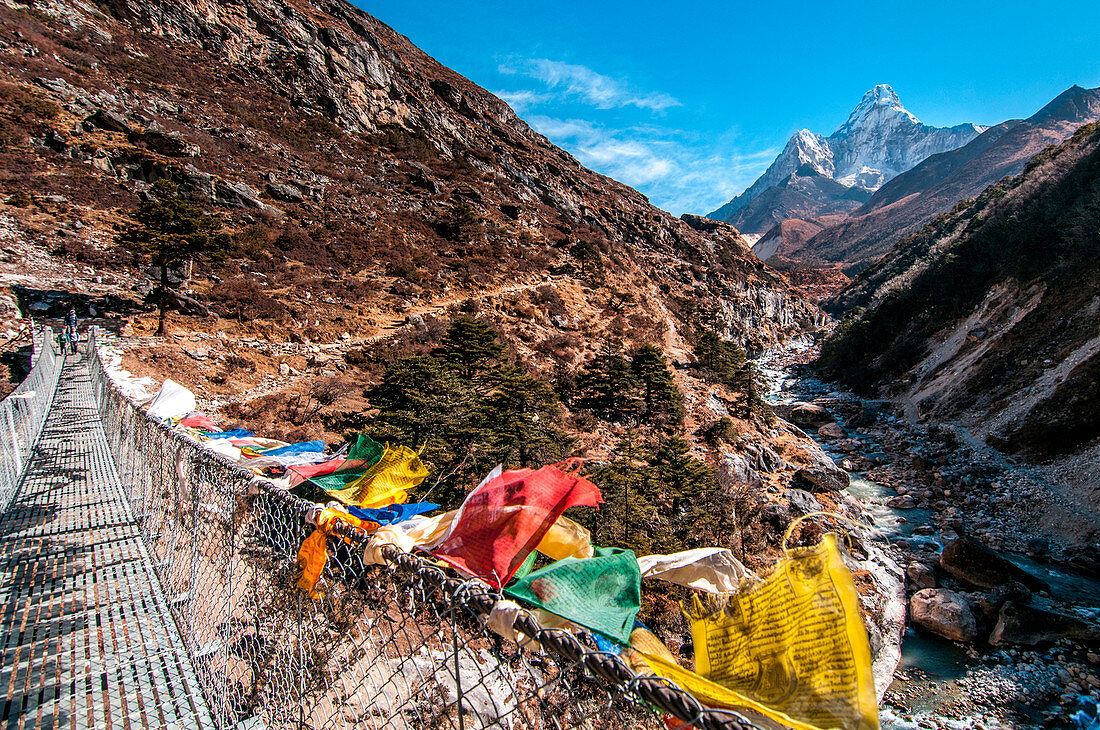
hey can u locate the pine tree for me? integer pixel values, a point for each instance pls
(472, 346)
(749, 382)
(591, 261)
(607, 383)
(660, 396)
(170, 231)
(625, 488)
(517, 420)
(420, 398)
(722, 359)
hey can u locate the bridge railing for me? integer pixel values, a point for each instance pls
(398, 645)
(24, 410)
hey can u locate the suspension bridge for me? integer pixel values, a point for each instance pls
(147, 582)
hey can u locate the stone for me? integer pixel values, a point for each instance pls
(805, 415)
(920, 575)
(199, 353)
(944, 613)
(169, 145)
(979, 565)
(1038, 547)
(108, 120)
(284, 369)
(831, 431)
(1030, 625)
(848, 446)
(735, 470)
(776, 515)
(903, 501)
(285, 193)
(820, 479)
(802, 502)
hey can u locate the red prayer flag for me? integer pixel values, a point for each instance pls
(503, 521)
(200, 421)
(301, 472)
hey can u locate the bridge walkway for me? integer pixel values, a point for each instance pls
(86, 634)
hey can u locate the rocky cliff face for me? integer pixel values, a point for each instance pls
(325, 130)
(880, 140)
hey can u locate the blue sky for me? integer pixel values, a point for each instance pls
(690, 102)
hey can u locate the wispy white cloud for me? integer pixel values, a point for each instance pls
(675, 170)
(523, 100)
(589, 87)
(679, 171)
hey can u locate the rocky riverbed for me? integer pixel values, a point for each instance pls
(1003, 607)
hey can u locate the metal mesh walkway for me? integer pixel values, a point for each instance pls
(87, 636)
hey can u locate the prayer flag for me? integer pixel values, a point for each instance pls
(393, 513)
(502, 521)
(601, 593)
(398, 470)
(793, 647)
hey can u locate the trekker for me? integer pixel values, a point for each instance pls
(63, 340)
(70, 322)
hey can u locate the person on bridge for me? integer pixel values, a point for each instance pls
(70, 323)
(63, 340)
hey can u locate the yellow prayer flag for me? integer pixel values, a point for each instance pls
(387, 481)
(566, 539)
(792, 648)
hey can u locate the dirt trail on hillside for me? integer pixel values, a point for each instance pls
(435, 307)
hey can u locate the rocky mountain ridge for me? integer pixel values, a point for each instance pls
(879, 140)
(295, 116)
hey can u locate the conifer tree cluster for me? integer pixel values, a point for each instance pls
(724, 362)
(658, 497)
(634, 387)
(469, 409)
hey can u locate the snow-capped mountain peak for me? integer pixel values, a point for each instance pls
(804, 148)
(877, 105)
(880, 140)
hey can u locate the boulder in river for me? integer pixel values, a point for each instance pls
(1030, 625)
(903, 501)
(821, 478)
(943, 612)
(831, 431)
(920, 575)
(805, 415)
(979, 565)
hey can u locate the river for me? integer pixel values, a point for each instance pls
(939, 683)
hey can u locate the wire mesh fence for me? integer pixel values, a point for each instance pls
(397, 645)
(23, 412)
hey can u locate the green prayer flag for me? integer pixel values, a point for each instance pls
(362, 455)
(365, 449)
(601, 593)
